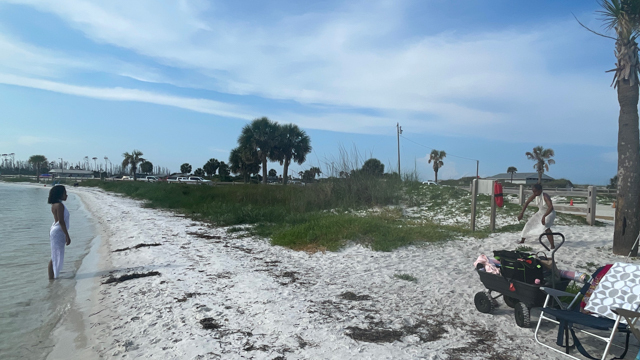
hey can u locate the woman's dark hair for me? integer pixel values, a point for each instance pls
(537, 187)
(56, 193)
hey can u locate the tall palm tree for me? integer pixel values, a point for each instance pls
(512, 170)
(436, 156)
(293, 144)
(261, 136)
(132, 160)
(244, 162)
(543, 158)
(37, 161)
(623, 16)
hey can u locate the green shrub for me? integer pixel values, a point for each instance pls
(318, 216)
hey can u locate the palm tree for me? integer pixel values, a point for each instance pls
(132, 160)
(244, 162)
(512, 170)
(223, 171)
(211, 166)
(293, 144)
(436, 156)
(261, 136)
(543, 158)
(185, 168)
(37, 161)
(623, 16)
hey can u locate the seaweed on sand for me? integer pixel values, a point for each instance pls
(136, 247)
(113, 279)
(374, 335)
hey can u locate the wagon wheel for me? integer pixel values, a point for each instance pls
(484, 302)
(523, 315)
(511, 302)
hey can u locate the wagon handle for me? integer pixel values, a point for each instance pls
(545, 246)
(553, 253)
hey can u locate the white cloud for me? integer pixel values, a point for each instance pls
(492, 85)
(121, 94)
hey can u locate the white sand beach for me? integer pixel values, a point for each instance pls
(266, 302)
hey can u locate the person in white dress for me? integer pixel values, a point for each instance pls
(542, 221)
(58, 234)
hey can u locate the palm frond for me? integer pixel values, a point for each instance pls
(611, 13)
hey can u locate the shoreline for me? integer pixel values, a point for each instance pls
(50, 303)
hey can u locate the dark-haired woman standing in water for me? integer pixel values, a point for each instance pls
(59, 234)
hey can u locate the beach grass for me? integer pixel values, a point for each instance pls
(332, 231)
(324, 215)
(327, 215)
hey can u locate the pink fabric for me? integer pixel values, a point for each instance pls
(488, 264)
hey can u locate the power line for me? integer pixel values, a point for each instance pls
(425, 146)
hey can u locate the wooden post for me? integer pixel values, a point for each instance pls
(521, 195)
(591, 205)
(474, 195)
(492, 221)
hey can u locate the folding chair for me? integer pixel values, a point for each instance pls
(613, 306)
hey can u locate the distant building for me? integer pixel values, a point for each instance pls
(69, 173)
(520, 178)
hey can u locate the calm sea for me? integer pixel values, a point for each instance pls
(30, 304)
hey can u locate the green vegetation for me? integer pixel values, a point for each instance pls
(133, 160)
(436, 157)
(382, 212)
(379, 232)
(405, 277)
(463, 181)
(512, 170)
(38, 161)
(524, 248)
(19, 179)
(542, 158)
(320, 216)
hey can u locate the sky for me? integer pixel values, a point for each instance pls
(483, 80)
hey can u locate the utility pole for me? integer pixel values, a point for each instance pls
(399, 131)
(477, 168)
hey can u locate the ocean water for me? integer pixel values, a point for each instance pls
(30, 304)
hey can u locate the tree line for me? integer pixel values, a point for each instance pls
(261, 141)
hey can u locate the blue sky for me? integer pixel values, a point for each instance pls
(485, 80)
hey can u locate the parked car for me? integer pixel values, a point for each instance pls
(150, 178)
(127, 178)
(199, 179)
(193, 180)
(430, 182)
(173, 179)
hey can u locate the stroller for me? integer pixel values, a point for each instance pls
(520, 293)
